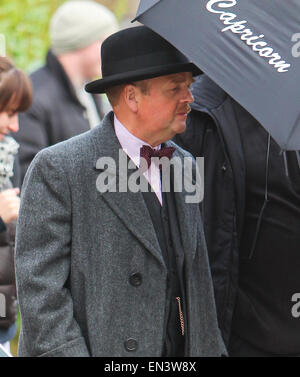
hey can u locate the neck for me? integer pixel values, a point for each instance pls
(133, 126)
(72, 66)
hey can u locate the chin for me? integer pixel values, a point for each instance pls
(181, 128)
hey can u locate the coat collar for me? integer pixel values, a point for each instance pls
(130, 207)
(59, 73)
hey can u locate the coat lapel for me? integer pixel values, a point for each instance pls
(130, 207)
(186, 212)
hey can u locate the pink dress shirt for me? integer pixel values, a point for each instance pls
(132, 145)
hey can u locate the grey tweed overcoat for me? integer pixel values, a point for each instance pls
(77, 249)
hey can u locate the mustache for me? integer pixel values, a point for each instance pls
(187, 109)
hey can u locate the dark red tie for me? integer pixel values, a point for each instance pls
(147, 153)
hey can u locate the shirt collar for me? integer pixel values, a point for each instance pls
(130, 143)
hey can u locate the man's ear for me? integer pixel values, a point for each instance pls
(131, 97)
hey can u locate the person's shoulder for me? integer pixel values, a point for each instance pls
(207, 94)
(66, 162)
(84, 143)
(41, 77)
(46, 88)
(72, 151)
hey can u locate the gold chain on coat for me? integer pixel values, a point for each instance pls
(180, 316)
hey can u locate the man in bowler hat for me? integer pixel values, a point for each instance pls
(117, 272)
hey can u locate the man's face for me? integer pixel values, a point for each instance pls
(163, 110)
(8, 123)
(91, 61)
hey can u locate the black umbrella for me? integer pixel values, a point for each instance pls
(248, 47)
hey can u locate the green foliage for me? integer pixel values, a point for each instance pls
(25, 25)
(119, 7)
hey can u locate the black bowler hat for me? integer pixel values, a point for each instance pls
(137, 54)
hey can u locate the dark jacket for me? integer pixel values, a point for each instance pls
(7, 277)
(55, 115)
(7, 274)
(213, 132)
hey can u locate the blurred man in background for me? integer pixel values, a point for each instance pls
(61, 108)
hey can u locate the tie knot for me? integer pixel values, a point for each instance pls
(147, 153)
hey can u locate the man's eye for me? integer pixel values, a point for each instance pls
(175, 89)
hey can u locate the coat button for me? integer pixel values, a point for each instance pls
(224, 168)
(131, 345)
(136, 279)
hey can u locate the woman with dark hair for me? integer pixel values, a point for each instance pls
(15, 96)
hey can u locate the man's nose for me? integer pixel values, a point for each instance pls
(188, 98)
(14, 123)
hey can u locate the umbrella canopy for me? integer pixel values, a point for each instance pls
(247, 47)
